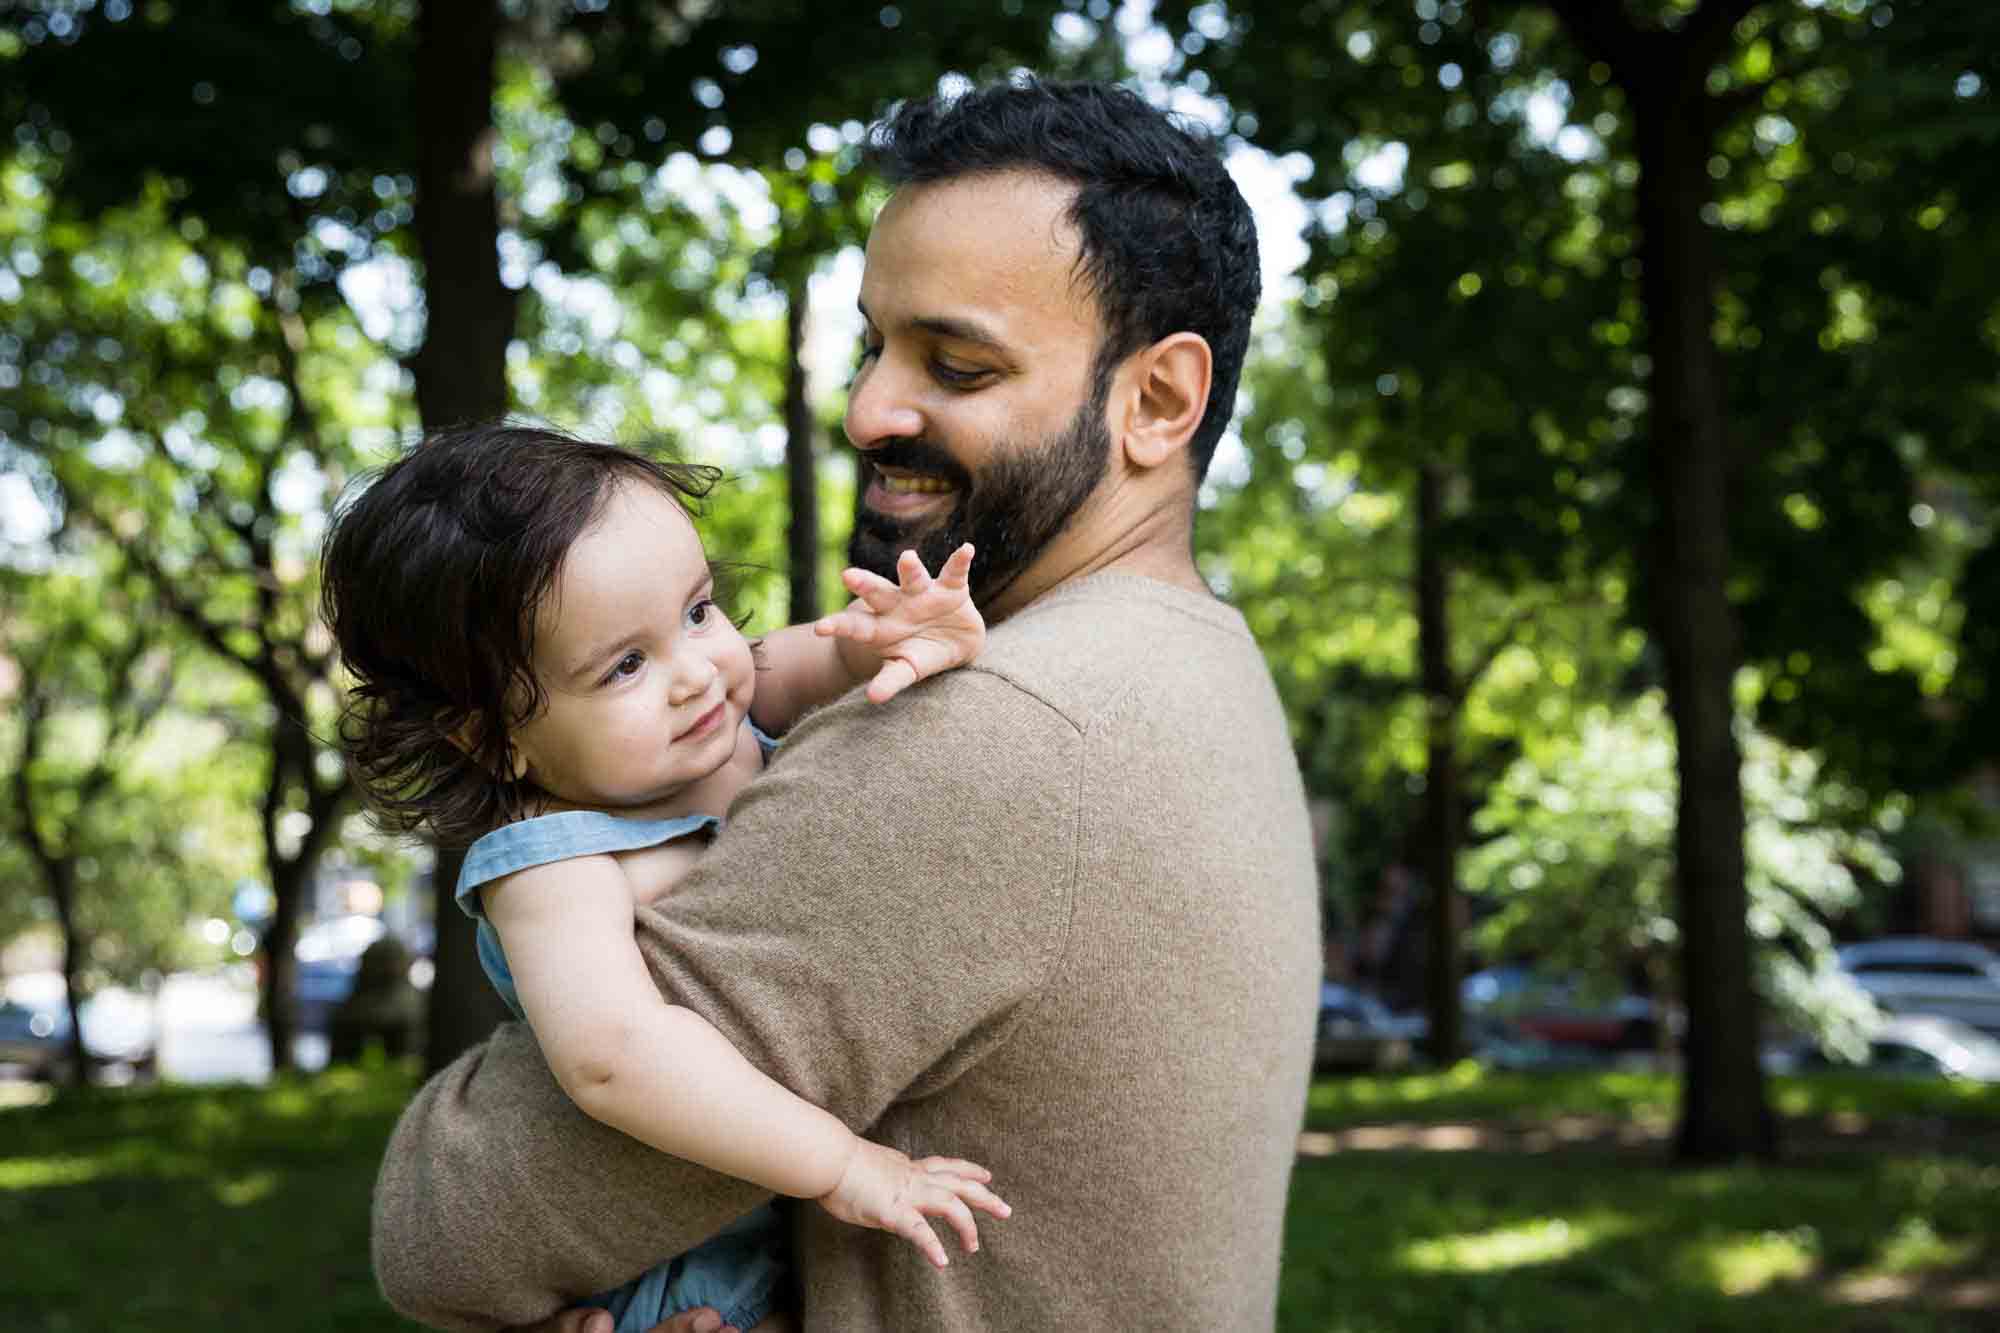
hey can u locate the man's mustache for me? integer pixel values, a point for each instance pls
(921, 457)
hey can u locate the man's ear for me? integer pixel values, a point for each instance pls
(1169, 383)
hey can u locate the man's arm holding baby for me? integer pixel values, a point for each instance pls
(891, 636)
(842, 933)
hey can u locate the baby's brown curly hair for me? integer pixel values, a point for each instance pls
(432, 580)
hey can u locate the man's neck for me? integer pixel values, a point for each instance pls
(1155, 542)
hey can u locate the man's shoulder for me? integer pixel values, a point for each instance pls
(1084, 649)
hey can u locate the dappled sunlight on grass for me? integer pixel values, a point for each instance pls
(1875, 1095)
(1737, 1265)
(1539, 1241)
(29, 1173)
(1470, 1089)
(1915, 1245)
(1557, 1207)
(214, 1207)
(246, 1189)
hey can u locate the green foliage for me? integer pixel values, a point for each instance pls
(119, 805)
(1310, 530)
(1579, 861)
(1474, 265)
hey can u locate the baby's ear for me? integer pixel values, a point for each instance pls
(470, 735)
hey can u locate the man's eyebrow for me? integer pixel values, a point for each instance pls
(955, 327)
(963, 330)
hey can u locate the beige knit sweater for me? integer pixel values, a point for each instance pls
(1055, 912)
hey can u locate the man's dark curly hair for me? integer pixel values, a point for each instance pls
(432, 580)
(1167, 241)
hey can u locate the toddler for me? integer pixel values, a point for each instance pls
(541, 670)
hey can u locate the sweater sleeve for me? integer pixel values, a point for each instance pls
(880, 907)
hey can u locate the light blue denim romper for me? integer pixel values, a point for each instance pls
(738, 1270)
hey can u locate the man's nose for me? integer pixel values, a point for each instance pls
(692, 675)
(881, 406)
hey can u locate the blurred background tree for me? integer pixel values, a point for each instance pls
(1621, 424)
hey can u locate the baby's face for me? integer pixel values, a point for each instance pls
(647, 681)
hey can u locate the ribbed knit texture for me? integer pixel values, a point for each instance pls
(1054, 912)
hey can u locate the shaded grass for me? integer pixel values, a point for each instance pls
(1468, 1091)
(1905, 1235)
(181, 1208)
(171, 1208)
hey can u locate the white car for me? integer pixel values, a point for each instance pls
(1914, 975)
(1914, 1046)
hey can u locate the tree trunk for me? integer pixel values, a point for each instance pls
(1440, 841)
(461, 374)
(461, 371)
(1723, 1112)
(293, 757)
(280, 934)
(61, 876)
(801, 461)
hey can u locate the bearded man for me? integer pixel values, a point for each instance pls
(1054, 912)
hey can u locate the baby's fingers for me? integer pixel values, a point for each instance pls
(957, 570)
(985, 1200)
(911, 575)
(895, 676)
(956, 1166)
(880, 595)
(953, 1210)
(848, 624)
(912, 1227)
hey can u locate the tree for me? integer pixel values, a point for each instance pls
(104, 660)
(1598, 154)
(1579, 865)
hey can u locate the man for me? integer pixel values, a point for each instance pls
(1054, 912)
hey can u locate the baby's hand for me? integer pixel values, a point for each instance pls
(917, 626)
(884, 1189)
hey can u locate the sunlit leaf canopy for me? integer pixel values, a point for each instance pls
(206, 311)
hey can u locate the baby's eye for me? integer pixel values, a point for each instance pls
(628, 665)
(703, 614)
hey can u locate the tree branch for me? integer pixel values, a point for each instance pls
(34, 732)
(212, 635)
(1499, 644)
(291, 346)
(1605, 32)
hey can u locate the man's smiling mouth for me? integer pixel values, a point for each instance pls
(908, 484)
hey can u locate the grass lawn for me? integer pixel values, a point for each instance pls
(247, 1208)
(1544, 1202)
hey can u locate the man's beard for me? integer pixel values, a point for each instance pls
(1010, 510)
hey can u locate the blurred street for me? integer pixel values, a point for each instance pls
(209, 1031)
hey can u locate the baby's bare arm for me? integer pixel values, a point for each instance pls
(663, 1075)
(653, 1070)
(654, 871)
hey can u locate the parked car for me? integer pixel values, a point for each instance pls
(327, 958)
(1912, 974)
(1906, 1045)
(1511, 1001)
(1358, 1031)
(119, 1028)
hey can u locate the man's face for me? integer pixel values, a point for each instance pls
(973, 408)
